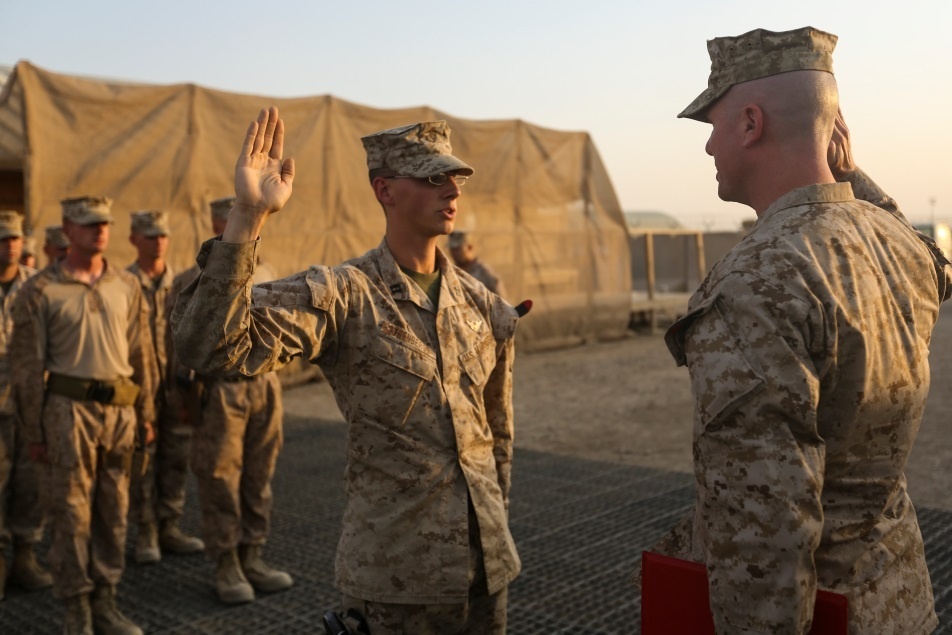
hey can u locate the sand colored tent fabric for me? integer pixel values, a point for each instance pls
(540, 208)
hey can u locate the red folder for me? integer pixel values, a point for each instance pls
(674, 599)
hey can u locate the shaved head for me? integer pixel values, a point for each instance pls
(799, 107)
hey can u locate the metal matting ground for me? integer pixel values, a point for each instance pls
(580, 527)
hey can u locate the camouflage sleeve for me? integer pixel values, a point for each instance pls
(759, 460)
(221, 327)
(865, 189)
(497, 394)
(145, 366)
(28, 347)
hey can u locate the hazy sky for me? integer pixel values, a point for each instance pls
(620, 70)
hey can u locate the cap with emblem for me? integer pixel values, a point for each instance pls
(11, 224)
(56, 237)
(418, 150)
(457, 239)
(87, 210)
(150, 223)
(761, 53)
(221, 206)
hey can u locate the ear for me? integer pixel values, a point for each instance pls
(752, 124)
(382, 190)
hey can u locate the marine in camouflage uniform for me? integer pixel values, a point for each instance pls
(22, 503)
(464, 256)
(420, 361)
(238, 434)
(85, 324)
(158, 494)
(56, 244)
(807, 346)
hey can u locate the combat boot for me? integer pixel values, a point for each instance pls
(263, 577)
(79, 619)
(107, 619)
(230, 582)
(173, 540)
(26, 572)
(147, 544)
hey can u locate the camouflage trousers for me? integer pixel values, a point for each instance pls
(159, 494)
(23, 498)
(481, 614)
(234, 451)
(90, 449)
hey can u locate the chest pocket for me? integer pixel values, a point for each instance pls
(478, 362)
(402, 349)
(401, 367)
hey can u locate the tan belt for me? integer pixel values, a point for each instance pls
(121, 392)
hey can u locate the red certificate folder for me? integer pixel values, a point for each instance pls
(674, 599)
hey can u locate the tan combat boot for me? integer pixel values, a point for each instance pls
(107, 619)
(147, 544)
(230, 581)
(26, 572)
(79, 619)
(173, 540)
(263, 577)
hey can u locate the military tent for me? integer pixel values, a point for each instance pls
(540, 208)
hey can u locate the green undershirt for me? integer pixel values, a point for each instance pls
(428, 282)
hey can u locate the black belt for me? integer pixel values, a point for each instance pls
(121, 392)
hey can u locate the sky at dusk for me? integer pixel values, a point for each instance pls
(619, 70)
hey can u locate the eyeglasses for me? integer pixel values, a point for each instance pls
(436, 179)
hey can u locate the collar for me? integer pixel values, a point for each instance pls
(402, 288)
(809, 194)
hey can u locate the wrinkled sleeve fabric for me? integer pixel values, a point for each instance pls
(224, 326)
(866, 189)
(759, 459)
(142, 358)
(28, 347)
(497, 394)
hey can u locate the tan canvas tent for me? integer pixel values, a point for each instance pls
(540, 208)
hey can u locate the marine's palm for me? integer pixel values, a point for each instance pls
(262, 177)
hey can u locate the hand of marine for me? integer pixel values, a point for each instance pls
(840, 154)
(262, 177)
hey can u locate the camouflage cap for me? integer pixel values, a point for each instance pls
(11, 224)
(29, 246)
(457, 239)
(221, 206)
(56, 237)
(419, 150)
(87, 210)
(761, 53)
(150, 223)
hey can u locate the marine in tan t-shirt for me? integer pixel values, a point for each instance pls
(86, 324)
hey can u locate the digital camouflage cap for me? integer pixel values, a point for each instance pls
(29, 246)
(221, 206)
(56, 237)
(150, 223)
(419, 150)
(87, 210)
(761, 53)
(11, 224)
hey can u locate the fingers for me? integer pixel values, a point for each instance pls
(287, 171)
(262, 128)
(248, 145)
(277, 146)
(272, 123)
